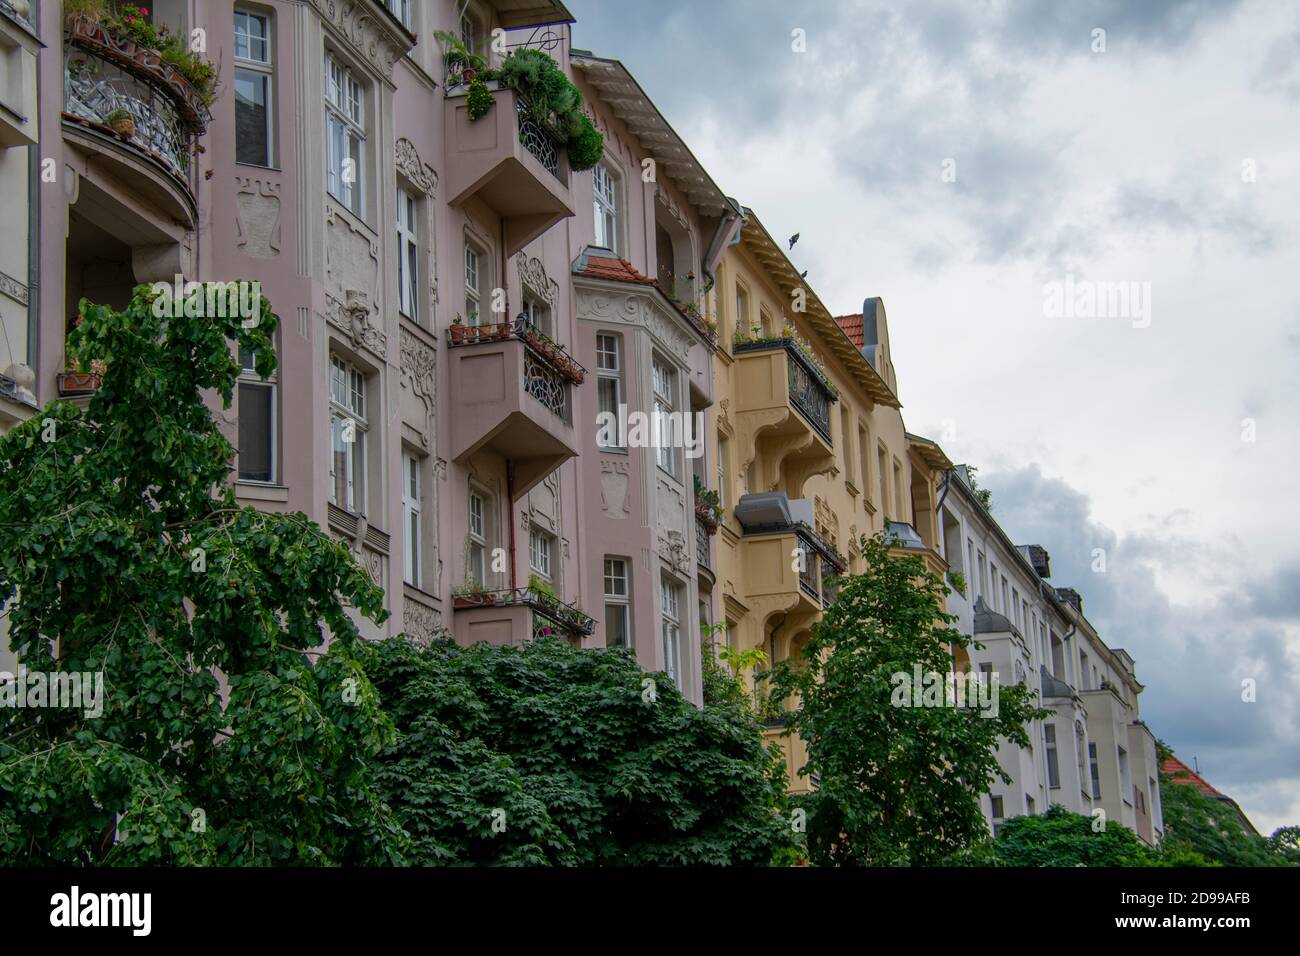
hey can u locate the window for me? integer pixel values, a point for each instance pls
(984, 584)
(882, 472)
(402, 10)
(605, 190)
(537, 314)
(970, 559)
(412, 506)
(993, 593)
(253, 129)
(766, 327)
(1083, 672)
(1053, 765)
(346, 134)
(846, 438)
(470, 29)
(258, 434)
(618, 624)
(473, 293)
(742, 310)
(477, 545)
(408, 255)
(997, 807)
(609, 387)
(1125, 782)
(668, 602)
(1005, 600)
(539, 552)
(1093, 769)
(665, 385)
(864, 462)
(348, 436)
(1015, 609)
(900, 512)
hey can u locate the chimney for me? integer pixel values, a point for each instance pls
(1037, 556)
(1071, 597)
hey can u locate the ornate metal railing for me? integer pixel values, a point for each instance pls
(568, 618)
(549, 369)
(701, 544)
(96, 88)
(808, 579)
(537, 139)
(810, 393)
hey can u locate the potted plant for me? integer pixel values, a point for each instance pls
(457, 330)
(92, 10)
(121, 122)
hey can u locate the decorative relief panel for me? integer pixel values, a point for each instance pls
(257, 217)
(532, 273)
(14, 289)
(417, 366)
(615, 501)
(419, 622)
(420, 174)
(378, 42)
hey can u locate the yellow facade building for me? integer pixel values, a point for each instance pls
(811, 452)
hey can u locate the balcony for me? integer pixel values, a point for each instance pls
(124, 103)
(785, 558)
(784, 412)
(514, 615)
(509, 161)
(511, 393)
(904, 541)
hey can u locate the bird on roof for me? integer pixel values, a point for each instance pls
(794, 239)
(804, 274)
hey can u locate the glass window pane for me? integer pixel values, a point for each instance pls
(255, 432)
(252, 128)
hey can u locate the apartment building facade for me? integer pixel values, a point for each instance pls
(1093, 750)
(812, 454)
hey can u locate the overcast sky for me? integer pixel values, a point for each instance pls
(1132, 165)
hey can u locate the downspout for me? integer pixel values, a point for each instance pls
(721, 238)
(510, 468)
(33, 357)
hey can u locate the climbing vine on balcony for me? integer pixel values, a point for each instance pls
(553, 102)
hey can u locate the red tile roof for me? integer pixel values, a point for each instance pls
(1179, 772)
(617, 270)
(852, 326)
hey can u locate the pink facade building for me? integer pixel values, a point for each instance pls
(456, 304)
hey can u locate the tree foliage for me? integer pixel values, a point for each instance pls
(545, 754)
(897, 784)
(228, 733)
(1196, 822)
(1061, 837)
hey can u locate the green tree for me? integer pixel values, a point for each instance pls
(546, 754)
(1196, 822)
(1061, 837)
(123, 552)
(897, 784)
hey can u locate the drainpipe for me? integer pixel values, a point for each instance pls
(33, 357)
(510, 507)
(721, 238)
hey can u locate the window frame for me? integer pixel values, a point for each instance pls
(541, 552)
(664, 402)
(263, 69)
(670, 627)
(412, 519)
(248, 378)
(352, 406)
(613, 599)
(474, 291)
(605, 206)
(479, 545)
(345, 107)
(611, 375)
(408, 253)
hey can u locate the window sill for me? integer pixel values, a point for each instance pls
(265, 169)
(613, 451)
(261, 490)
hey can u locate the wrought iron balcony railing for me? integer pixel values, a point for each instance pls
(701, 545)
(568, 618)
(549, 369)
(819, 563)
(537, 139)
(810, 393)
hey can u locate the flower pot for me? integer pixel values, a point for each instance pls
(457, 333)
(467, 75)
(124, 127)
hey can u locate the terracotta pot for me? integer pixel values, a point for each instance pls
(467, 75)
(457, 333)
(124, 128)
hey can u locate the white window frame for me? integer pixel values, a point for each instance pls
(604, 190)
(724, 449)
(261, 68)
(347, 400)
(479, 515)
(671, 632)
(541, 552)
(345, 129)
(473, 262)
(618, 594)
(412, 519)
(663, 377)
(248, 378)
(609, 370)
(408, 253)
(1052, 756)
(537, 313)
